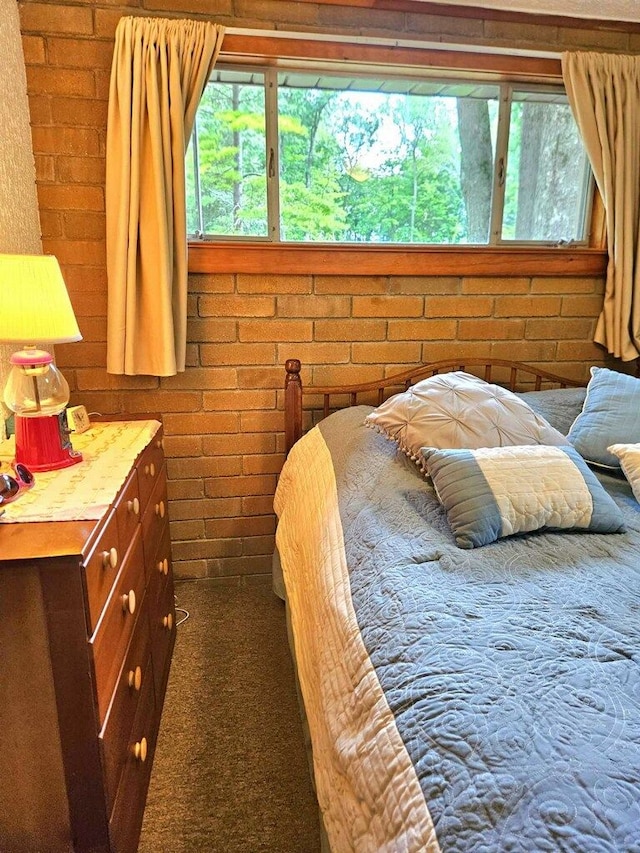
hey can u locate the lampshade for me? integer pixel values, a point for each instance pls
(34, 303)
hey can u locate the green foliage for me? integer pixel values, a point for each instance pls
(310, 214)
(368, 169)
(353, 166)
(232, 161)
(237, 121)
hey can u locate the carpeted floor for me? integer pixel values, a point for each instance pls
(230, 773)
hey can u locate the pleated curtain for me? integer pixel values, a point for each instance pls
(159, 71)
(604, 93)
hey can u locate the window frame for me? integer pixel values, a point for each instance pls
(230, 254)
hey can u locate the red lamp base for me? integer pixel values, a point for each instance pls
(42, 443)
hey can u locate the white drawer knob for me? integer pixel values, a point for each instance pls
(167, 621)
(134, 506)
(163, 566)
(140, 749)
(150, 470)
(135, 678)
(129, 602)
(109, 559)
(160, 509)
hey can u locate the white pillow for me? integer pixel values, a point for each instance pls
(460, 410)
(629, 456)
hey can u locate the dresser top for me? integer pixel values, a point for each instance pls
(60, 514)
(38, 539)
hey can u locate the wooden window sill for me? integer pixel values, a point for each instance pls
(329, 259)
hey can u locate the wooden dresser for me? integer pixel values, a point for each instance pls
(87, 628)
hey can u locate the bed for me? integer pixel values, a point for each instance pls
(467, 694)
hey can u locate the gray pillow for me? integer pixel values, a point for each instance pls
(559, 406)
(460, 410)
(610, 415)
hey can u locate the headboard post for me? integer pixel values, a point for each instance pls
(292, 403)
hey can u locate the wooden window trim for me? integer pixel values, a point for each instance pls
(329, 259)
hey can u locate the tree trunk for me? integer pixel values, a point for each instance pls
(548, 188)
(532, 133)
(476, 166)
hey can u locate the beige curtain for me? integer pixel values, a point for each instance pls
(159, 71)
(604, 93)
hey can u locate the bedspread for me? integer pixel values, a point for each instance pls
(484, 700)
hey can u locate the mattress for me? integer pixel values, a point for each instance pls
(457, 700)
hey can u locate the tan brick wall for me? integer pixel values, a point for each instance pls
(223, 416)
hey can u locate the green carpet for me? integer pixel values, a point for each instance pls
(230, 773)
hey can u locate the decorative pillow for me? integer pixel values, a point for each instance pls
(629, 456)
(558, 406)
(495, 492)
(610, 415)
(459, 410)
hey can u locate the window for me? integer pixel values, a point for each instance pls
(299, 157)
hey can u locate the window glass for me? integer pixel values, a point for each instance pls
(226, 159)
(295, 156)
(385, 161)
(547, 181)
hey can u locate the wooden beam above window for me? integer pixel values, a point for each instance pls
(265, 50)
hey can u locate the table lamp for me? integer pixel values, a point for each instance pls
(35, 310)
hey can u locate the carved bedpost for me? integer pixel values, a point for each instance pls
(292, 403)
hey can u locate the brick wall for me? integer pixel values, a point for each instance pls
(223, 416)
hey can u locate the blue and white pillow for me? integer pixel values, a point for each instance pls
(494, 492)
(610, 415)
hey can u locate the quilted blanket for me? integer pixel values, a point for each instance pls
(478, 700)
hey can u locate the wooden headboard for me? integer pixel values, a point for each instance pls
(514, 375)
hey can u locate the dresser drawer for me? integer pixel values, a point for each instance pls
(128, 511)
(162, 610)
(160, 564)
(149, 466)
(101, 569)
(114, 737)
(126, 817)
(155, 520)
(115, 628)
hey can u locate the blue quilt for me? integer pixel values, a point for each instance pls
(512, 670)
